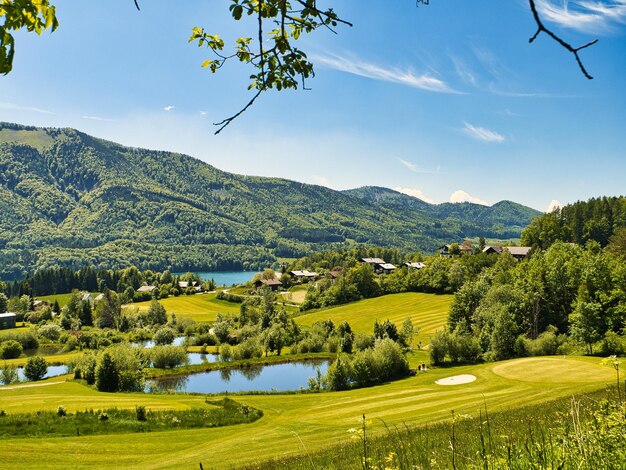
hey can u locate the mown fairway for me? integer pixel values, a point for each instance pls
(292, 423)
(429, 312)
(200, 307)
(62, 299)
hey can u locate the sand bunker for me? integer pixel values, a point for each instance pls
(456, 380)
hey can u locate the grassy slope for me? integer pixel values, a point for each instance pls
(427, 311)
(292, 423)
(62, 299)
(200, 307)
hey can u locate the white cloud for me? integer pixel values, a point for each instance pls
(462, 196)
(593, 17)
(416, 168)
(415, 193)
(406, 77)
(554, 203)
(481, 133)
(96, 118)
(321, 180)
(202, 113)
(168, 108)
(16, 107)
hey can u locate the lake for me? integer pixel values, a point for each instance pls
(275, 377)
(225, 278)
(53, 371)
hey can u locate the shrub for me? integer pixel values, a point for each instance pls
(164, 335)
(140, 413)
(107, 375)
(50, 331)
(226, 353)
(167, 357)
(206, 338)
(35, 368)
(612, 343)
(61, 411)
(247, 350)
(10, 349)
(8, 374)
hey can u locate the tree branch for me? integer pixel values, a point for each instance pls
(541, 28)
(137, 5)
(227, 121)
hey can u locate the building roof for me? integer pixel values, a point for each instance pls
(519, 250)
(496, 249)
(183, 284)
(304, 273)
(334, 274)
(87, 296)
(271, 282)
(416, 265)
(388, 266)
(373, 260)
(8, 315)
(99, 297)
(146, 288)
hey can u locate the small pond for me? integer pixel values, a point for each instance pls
(226, 278)
(53, 371)
(178, 341)
(275, 377)
(197, 358)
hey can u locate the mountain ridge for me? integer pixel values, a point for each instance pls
(72, 199)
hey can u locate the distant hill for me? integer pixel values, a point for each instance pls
(70, 199)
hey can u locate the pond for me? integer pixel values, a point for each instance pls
(275, 377)
(53, 371)
(178, 341)
(226, 278)
(197, 358)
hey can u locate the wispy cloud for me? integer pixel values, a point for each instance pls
(96, 118)
(202, 113)
(16, 107)
(593, 17)
(554, 203)
(483, 134)
(424, 81)
(168, 108)
(416, 168)
(463, 71)
(508, 113)
(415, 193)
(462, 196)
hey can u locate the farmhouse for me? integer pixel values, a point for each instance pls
(146, 288)
(518, 252)
(444, 250)
(386, 268)
(416, 265)
(299, 276)
(380, 265)
(87, 297)
(273, 284)
(7, 320)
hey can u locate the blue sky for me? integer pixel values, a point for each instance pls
(447, 102)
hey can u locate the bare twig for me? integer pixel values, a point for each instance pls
(137, 5)
(574, 50)
(227, 121)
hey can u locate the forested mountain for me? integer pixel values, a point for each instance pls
(70, 199)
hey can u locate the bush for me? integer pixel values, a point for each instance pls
(8, 374)
(140, 413)
(61, 411)
(167, 357)
(107, 375)
(10, 349)
(50, 331)
(35, 368)
(226, 353)
(206, 338)
(247, 350)
(164, 335)
(612, 343)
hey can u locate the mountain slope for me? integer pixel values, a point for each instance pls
(71, 199)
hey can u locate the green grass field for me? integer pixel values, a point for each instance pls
(199, 307)
(292, 423)
(427, 311)
(63, 299)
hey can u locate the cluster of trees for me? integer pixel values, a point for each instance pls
(566, 295)
(599, 219)
(127, 281)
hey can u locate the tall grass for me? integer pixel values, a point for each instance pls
(585, 432)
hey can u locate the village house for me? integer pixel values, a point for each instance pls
(380, 265)
(444, 250)
(146, 288)
(273, 284)
(518, 252)
(299, 276)
(7, 320)
(415, 265)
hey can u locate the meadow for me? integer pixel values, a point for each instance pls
(301, 423)
(199, 307)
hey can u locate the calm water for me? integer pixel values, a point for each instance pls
(226, 278)
(277, 377)
(53, 371)
(197, 358)
(178, 341)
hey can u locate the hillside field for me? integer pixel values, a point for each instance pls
(199, 307)
(300, 423)
(429, 312)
